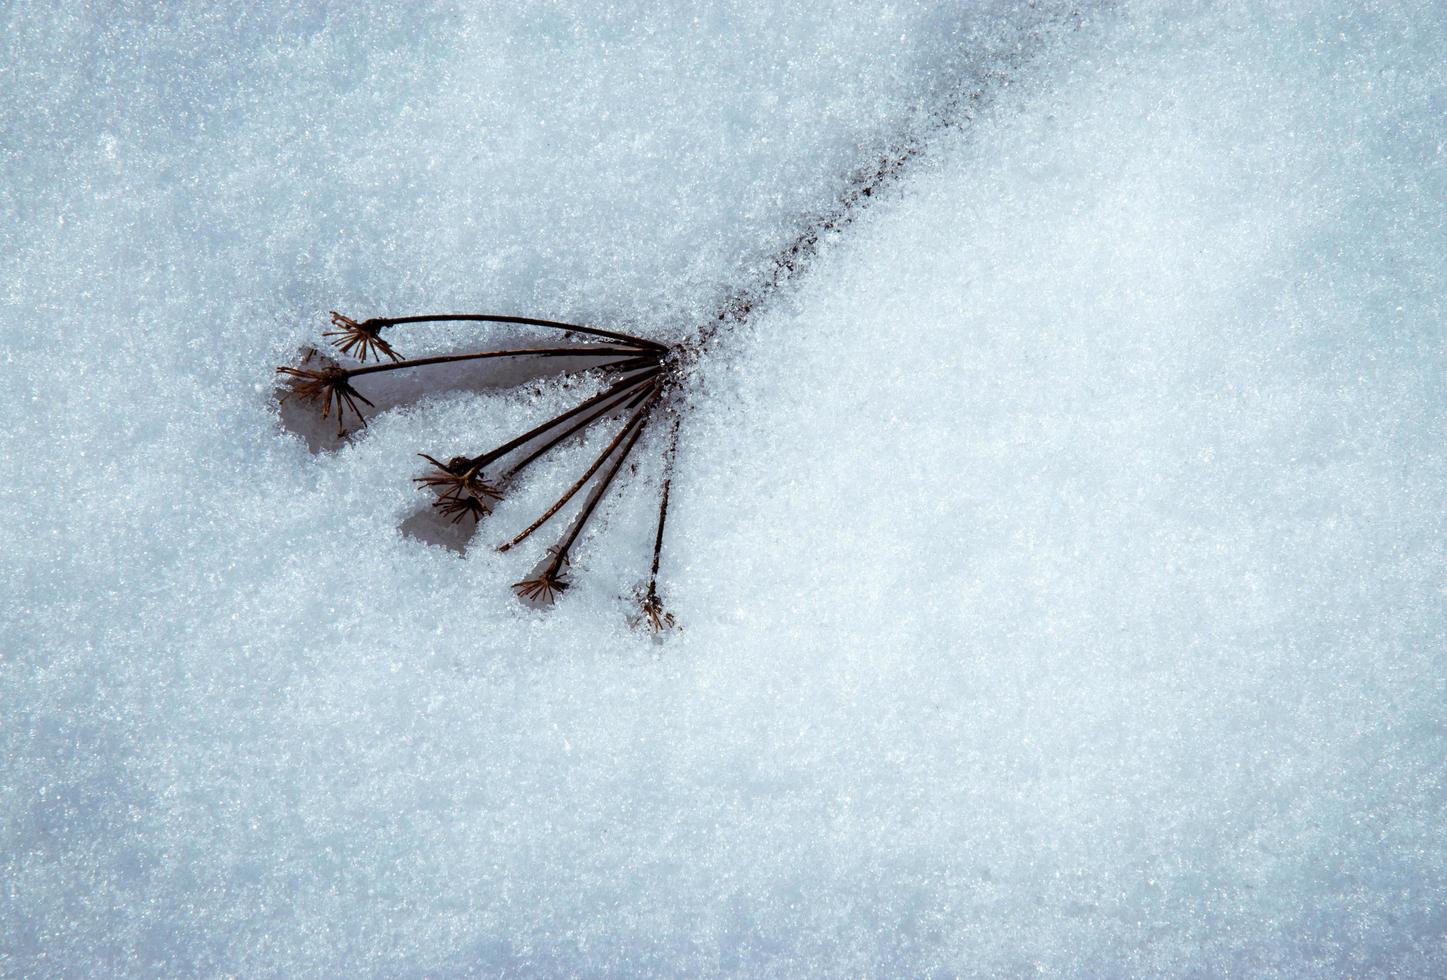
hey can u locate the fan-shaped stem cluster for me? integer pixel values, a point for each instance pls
(643, 372)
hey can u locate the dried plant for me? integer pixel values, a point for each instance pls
(331, 385)
(653, 615)
(461, 489)
(361, 340)
(545, 587)
(642, 372)
(645, 384)
(645, 376)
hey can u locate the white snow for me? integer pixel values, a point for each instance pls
(1060, 559)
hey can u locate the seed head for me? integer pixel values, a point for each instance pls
(457, 508)
(653, 615)
(328, 385)
(462, 491)
(362, 340)
(544, 589)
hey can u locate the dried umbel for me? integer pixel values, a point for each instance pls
(543, 588)
(643, 373)
(331, 386)
(461, 489)
(361, 340)
(643, 388)
(653, 615)
(550, 581)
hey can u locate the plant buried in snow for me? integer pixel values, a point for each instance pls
(644, 371)
(467, 486)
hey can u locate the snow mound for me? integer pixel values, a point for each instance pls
(1060, 561)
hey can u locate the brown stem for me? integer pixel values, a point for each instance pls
(388, 321)
(634, 422)
(643, 359)
(663, 510)
(575, 427)
(480, 461)
(520, 352)
(560, 554)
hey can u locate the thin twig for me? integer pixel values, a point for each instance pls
(657, 618)
(483, 355)
(390, 321)
(570, 430)
(634, 422)
(595, 498)
(668, 457)
(480, 461)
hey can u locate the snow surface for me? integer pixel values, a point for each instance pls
(1061, 559)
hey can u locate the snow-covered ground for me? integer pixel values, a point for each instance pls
(1061, 558)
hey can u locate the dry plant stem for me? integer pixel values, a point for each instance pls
(457, 486)
(635, 422)
(638, 342)
(658, 541)
(480, 461)
(645, 370)
(662, 512)
(583, 423)
(483, 355)
(654, 615)
(560, 554)
(632, 364)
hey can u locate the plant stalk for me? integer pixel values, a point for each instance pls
(482, 355)
(663, 510)
(575, 427)
(480, 461)
(635, 422)
(638, 342)
(560, 555)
